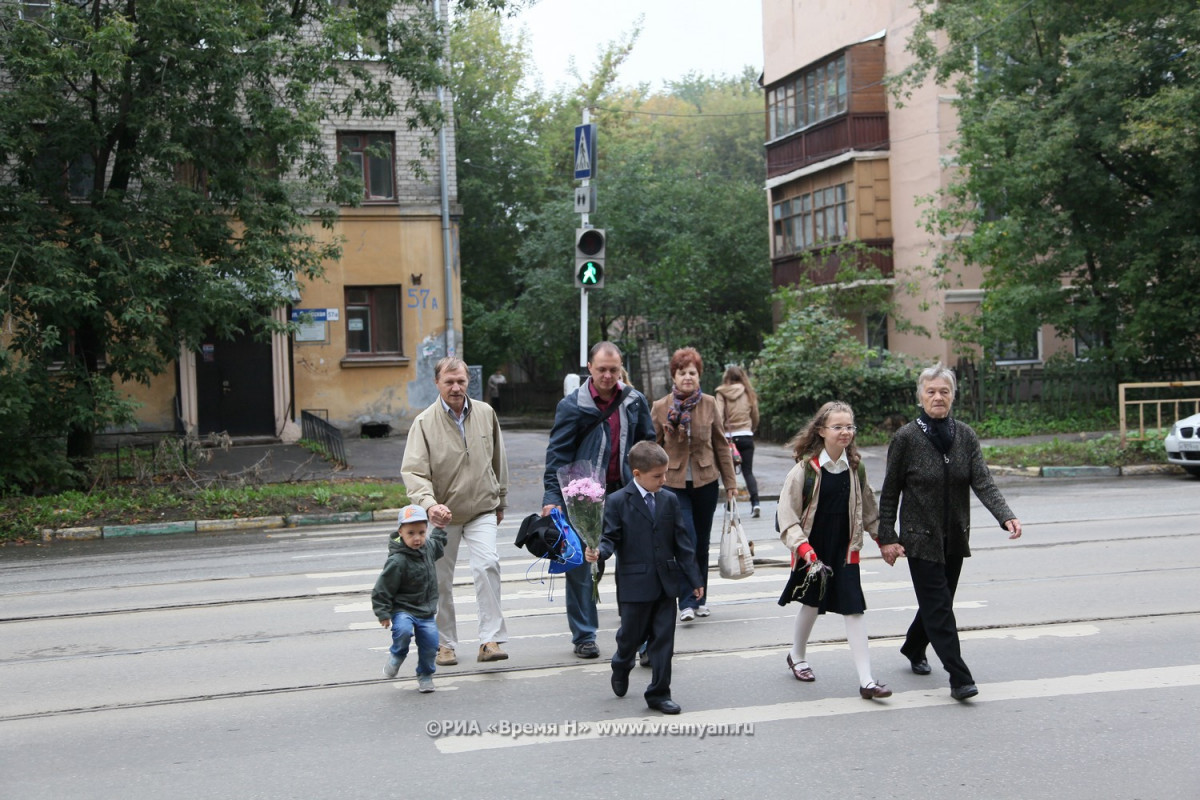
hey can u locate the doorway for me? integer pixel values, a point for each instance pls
(234, 389)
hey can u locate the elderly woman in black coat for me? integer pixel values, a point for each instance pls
(931, 463)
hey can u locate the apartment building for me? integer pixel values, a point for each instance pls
(845, 162)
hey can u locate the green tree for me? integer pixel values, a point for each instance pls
(1079, 131)
(161, 164)
(680, 194)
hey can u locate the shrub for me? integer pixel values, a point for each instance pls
(812, 358)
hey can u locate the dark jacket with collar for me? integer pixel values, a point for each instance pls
(653, 555)
(574, 416)
(409, 580)
(936, 503)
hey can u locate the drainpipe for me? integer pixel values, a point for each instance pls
(444, 180)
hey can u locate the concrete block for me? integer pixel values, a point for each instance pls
(1080, 472)
(240, 524)
(1152, 469)
(301, 520)
(150, 529)
(80, 534)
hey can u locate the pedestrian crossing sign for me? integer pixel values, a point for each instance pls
(585, 152)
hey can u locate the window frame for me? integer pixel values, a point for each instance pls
(375, 320)
(817, 94)
(370, 139)
(794, 219)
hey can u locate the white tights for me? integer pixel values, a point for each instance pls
(856, 637)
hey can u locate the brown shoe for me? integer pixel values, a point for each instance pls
(490, 651)
(875, 691)
(445, 657)
(801, 670)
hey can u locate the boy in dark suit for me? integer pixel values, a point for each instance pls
(643, 525)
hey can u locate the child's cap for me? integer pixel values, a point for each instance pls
(413, 513)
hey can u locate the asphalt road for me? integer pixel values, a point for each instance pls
(248, 666)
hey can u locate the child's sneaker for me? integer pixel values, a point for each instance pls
(424, 684)
(392, 666)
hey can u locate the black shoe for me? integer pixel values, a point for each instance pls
(620, 683)
(963, 692)
(587, 650)
(920, 666)
(664, 704)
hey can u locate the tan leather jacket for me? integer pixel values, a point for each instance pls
(707, 449)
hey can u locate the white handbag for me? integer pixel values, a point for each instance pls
(735, 560)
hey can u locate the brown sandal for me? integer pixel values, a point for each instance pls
(802, 673)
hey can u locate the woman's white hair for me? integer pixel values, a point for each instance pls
(938, 370)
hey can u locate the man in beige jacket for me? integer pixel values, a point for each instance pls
(454, 467)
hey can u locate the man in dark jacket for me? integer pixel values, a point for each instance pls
(597, 423)
(405, 596)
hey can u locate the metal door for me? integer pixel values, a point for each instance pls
(233, 387)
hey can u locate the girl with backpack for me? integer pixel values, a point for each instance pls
(825, 506)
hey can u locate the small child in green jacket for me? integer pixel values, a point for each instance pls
(405, 596)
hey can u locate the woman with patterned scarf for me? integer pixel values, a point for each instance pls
(687, 425)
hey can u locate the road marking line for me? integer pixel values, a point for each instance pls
(1070, 685)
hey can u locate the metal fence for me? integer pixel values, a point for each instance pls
(1057, 392)
(1162, 412)
(327, 436)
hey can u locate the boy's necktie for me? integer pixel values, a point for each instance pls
(650, 502)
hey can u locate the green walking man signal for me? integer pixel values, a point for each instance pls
(590, 245)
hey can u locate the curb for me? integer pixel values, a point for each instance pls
(216, 525)
(390, 514)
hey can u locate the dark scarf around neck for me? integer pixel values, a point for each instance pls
(939, 431)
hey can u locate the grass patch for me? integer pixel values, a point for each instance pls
(1103, 452)
(1034, 423)
(23, 518)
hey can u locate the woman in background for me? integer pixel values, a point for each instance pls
(737, 406)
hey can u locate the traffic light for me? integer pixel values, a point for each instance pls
(589, 258)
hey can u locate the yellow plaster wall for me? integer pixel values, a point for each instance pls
(380, 247)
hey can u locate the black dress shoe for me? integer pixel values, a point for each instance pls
(620, 683)
(920, 666)
(964, 691)
(665, 704)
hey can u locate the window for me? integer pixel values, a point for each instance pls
(370, 156)
(876, 324)
(54, 173)
(34, 9)
(810, 220)
(1025, 350)
(810, 97)
(372, 320)
(362, 48)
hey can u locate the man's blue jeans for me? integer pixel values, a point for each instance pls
(404, 627)
(582, 615)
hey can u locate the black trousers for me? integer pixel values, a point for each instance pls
(745, 446)
(934, 622)
(653, 623)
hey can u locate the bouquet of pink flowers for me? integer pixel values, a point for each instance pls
(583, 492)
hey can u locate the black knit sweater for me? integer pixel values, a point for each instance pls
(936, 506)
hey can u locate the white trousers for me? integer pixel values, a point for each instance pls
(480, 536)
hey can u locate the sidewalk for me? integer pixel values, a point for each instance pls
(525, 445)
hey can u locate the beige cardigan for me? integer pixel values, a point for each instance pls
(796, 521)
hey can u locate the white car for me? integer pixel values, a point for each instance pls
(1183, 444)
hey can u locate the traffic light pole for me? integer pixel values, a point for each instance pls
(583, 292)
